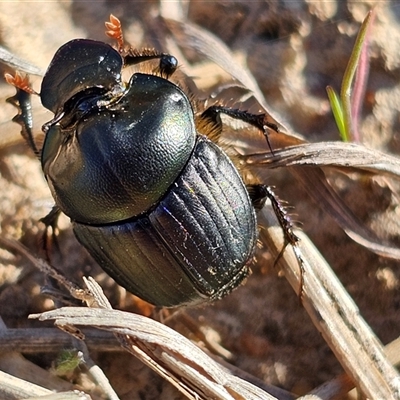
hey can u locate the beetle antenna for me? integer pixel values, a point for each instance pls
(21, 100)
(168, 63)
(114, 31)
(20, 81)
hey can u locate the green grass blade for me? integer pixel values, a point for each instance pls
(337, 110)
(345, 93)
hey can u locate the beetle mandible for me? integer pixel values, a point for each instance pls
(138, 169)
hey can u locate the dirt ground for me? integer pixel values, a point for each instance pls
(294, 50)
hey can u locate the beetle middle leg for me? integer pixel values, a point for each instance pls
(258, 192)
(259, 121)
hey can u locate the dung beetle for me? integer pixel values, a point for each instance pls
(137, 167)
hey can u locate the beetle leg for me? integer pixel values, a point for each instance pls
(257, 120)
(22, 101)
(50, 221)
(24, 118)
(259, 194)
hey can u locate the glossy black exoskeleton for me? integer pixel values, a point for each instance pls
(157, 203)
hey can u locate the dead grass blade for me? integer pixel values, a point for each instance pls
(168, 353)
(334, 314)
(331, 154)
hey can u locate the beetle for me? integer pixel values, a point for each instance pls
(138, 168)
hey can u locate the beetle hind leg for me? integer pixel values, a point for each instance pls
(259, 194)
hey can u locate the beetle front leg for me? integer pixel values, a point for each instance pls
(22, 101)
(167, 66)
